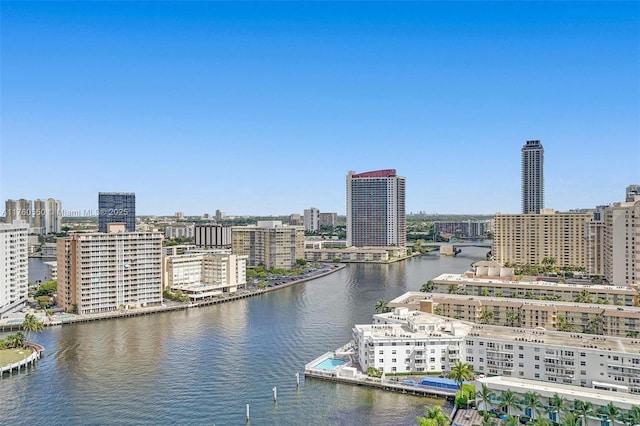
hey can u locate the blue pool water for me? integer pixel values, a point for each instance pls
(329, 364)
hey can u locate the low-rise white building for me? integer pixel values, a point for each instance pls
(429, 343)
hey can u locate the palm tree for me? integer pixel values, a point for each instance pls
(513, 319)
(15, 340)
(485, 396)
(381, 307)
(511, 421)
(427, 287)
(610, 412)
(460, 372)
(582, 409)
(583, 297)
(556, 405)
(508, 400)
(486, 317)
(564, 324)
(570, 419)
(435, 414)
(632, 417)
(31, 323)
(531, 400)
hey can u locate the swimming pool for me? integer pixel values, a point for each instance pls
(329, 364)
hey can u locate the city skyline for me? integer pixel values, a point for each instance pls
(258, 108)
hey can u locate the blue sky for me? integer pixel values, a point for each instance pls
(263, 108)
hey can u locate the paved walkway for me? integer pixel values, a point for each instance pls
(467, 418)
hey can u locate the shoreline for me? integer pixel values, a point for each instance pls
(4, 326)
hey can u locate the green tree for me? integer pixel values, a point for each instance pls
(15, 340)
(460, 372)
(531, 400)
(381, 307)
(556, 405)
(427, 287)
(583, 297)
(301, 262)
(47, 288)
(570, 419)
(44, 301)
(486, 317)
(582, 409)
(484, 292)
(452, 289)
(595, 325)
(31, 323)
(513, 319)
(508, 400)
(565, 325)
(632, 416)
(611, 413)
(485, 396)
(511, 421)
(433, 417)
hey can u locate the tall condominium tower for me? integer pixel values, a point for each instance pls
(18, 210)
(47, 216)
(532, 177)
(632, 192)
(117, 207)
(375, 209)
(311, 219)
(14, 262)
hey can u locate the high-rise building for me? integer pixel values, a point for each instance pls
(102, 272)
(220, 214)
(212, 236)
(376, 209)
(18, 210)
(594, 242)
(14, 263)
(269, 243)
(47, 216)
(526, 239)
(311, 219)
(328, 219)
(632, 192)
(532, 177)
(295, 219)
(117, 207)
(622, 243)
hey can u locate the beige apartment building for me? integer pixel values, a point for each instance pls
(526, 239)
(520, 289)
(269, 243)
(570, 316)
(622, 243)
(102, 272)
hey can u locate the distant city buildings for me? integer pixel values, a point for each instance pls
(376, 209)
(269, 243)
(212, 236)
(116, 207)
(14, 262)
(465, 229)
(107, 271)
(632, 192)
(47, 218)
(311, 219)
(220, 215)
(296, 219)
(187, 231)
(179, 215)
(328, 219)
(532, 177)
(43, 216)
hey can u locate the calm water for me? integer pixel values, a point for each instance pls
(202, 366)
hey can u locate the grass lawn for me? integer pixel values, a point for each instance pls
(10, 356)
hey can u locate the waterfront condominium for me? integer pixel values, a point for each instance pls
(269, 243)
(117, 207)
(47, 216)
(18, 210)
(376, 209)
(14, 262)
(102, 272)
(532, 177)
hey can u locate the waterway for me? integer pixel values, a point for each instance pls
(202, 366)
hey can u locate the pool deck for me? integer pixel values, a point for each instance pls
(349, 373)
(9, 324)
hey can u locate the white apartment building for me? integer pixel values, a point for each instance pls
(622, 243)
(101, 272)
(429, 343)
(47, 216)
(493, 286)
(179, 231)
(14, 263)
(205, 274)
(311, 219)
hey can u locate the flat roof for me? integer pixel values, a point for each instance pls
(547, 389)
